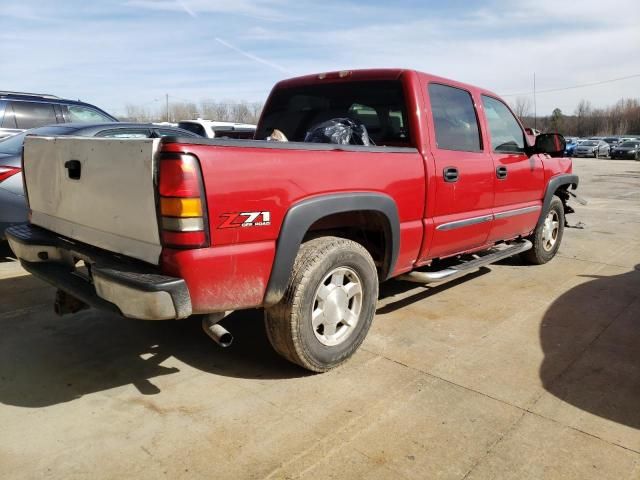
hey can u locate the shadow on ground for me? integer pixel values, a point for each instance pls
(591, 341)
(45, 359)
(5, 252)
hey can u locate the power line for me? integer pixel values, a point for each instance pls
(560, 89)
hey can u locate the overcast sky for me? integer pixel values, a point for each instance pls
(134, 51)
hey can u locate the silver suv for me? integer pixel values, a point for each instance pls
(21, 111)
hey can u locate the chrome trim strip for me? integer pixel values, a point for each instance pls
(486, 218)
(517, 211)
(464, 223)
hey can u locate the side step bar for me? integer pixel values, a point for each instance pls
(467, 267)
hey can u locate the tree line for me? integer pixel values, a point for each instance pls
(619, 119)
(225, 111)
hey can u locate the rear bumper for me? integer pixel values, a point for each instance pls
(13, 210)
(111, 282)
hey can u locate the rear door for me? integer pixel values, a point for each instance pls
(463, 172)
(518, 179)
(33, 114)
(96, 190)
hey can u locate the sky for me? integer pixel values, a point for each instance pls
(111, 53)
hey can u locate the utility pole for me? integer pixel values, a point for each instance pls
(167, 101)
(535, 108)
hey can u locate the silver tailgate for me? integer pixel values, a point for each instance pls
(111, 205)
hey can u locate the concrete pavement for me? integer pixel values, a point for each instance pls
(514, 372)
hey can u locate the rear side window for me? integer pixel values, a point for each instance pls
(504, 129)
(81, 114)
(193, 127)
(125, 133)
(167, 132)
(33, 114)
(9, 120)
(454, 119)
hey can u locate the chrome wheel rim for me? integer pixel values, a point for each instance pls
(336, 306)
(550, 230)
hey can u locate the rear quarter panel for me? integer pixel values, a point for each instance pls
(247, 179)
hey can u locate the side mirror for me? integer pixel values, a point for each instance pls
(552, 144)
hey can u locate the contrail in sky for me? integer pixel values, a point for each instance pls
(186, 8)
(253, 57)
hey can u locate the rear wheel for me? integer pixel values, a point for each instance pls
(547, 236)
(328, 305)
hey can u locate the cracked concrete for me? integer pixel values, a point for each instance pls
(513, 372)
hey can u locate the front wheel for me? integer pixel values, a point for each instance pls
(547, 236)
(328, 306)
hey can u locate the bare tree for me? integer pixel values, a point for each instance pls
(136, 113)
(522, 107)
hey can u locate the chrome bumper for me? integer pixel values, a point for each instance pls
(111, 282)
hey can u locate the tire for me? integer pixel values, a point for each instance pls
(316, 274)
(596, 153)
(545, 243)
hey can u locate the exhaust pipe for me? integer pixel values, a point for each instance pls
(217, 332)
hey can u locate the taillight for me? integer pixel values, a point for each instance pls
(6, 172)
(183, 207)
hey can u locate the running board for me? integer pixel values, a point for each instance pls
(467, 267)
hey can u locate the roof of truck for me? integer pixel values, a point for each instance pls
(373, 74)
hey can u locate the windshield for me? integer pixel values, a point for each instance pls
(13, 144)
(590, 144)
(630, 144)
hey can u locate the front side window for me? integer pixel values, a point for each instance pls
(504, 129)
(81, 114)
(33, 114)
(454, 119)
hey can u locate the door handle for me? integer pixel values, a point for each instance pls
(74, 169)
(501, 172)
(450, 174)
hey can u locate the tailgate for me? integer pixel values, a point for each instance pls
(95, 190)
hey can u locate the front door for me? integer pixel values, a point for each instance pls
(518, 179)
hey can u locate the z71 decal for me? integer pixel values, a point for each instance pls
(245, 219)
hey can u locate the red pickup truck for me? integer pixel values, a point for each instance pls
(168, 228)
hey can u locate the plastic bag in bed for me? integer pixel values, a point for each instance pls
(341, 131)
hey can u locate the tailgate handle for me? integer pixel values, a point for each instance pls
(74, 169)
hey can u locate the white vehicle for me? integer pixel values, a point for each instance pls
(211, 129)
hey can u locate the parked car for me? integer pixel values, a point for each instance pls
(306, 230)
(211, 129)
(21, 111)
(572, 143)
(13, 209)
(592, 148)
(630, 149)
(612, 141)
